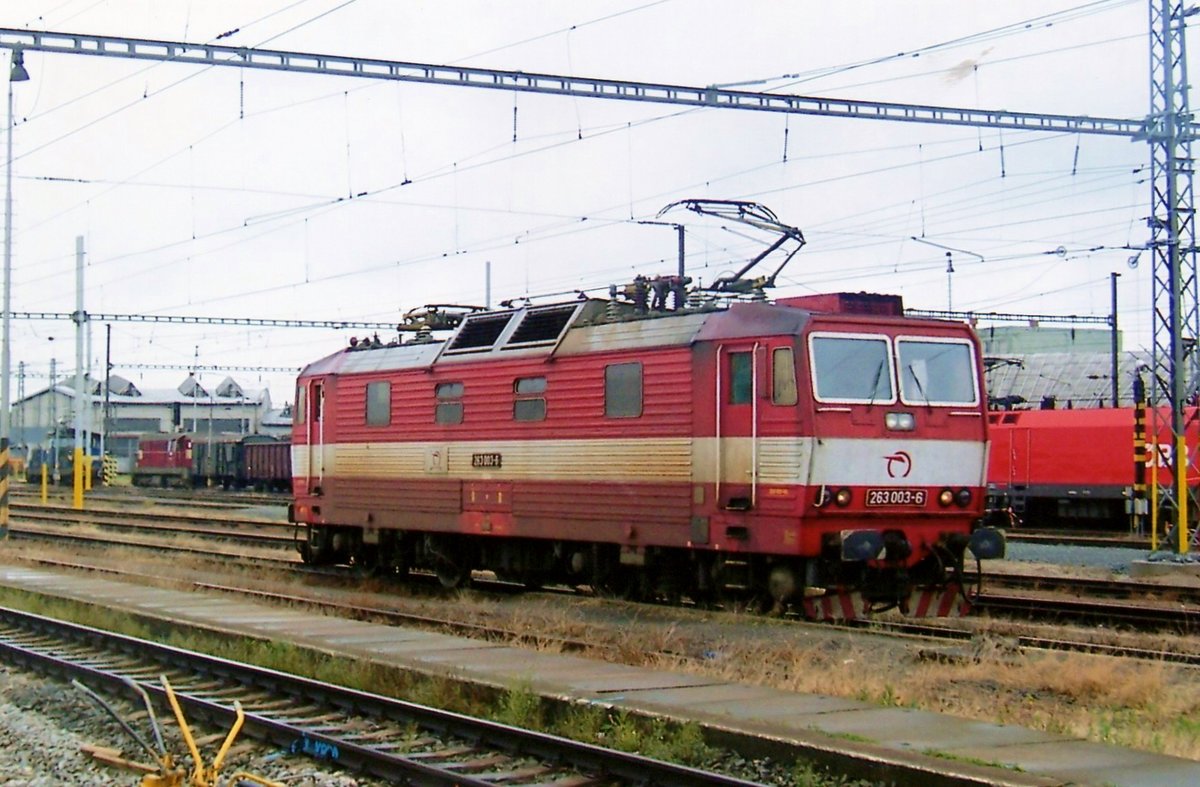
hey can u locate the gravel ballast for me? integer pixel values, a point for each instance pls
(44, 725)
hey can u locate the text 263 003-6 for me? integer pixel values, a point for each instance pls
(895, 497)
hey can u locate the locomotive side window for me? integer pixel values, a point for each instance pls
(529, 404)
(850, 368)
(741, 378)
(936, 372)
(783, 376)
(623, 390)
(379, 403)
(449, 408)
(298, 415)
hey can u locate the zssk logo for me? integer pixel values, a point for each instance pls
(899, 464)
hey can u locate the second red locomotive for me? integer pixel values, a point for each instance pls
(1076, 468)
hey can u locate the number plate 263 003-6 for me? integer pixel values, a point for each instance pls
(896, 497)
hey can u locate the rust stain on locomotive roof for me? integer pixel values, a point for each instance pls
(745, 320)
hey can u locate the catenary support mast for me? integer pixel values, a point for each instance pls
(1172, 227)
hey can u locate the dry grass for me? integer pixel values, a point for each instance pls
(1145, 705)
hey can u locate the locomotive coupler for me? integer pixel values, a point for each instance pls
(860, 545)
(987, 543)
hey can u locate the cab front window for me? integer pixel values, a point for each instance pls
(937, 372)
(852, 368)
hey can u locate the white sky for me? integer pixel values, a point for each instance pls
(214, 191)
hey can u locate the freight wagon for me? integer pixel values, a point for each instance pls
(225, 460)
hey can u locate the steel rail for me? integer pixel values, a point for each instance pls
(209, 495)
(35, 521)
(23, 532)
(367, 748)
(1182, 617)
(1080, 539)
(249, 530)
(1030, 642)
(1106, 587)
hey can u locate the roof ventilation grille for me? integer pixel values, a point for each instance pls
(479, 332)
(542, 325)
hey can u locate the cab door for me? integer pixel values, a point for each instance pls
(315, 435)
(738, 379)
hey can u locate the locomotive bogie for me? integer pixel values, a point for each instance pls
(715, 454)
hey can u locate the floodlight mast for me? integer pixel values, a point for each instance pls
(1167, 129)
(17, 73)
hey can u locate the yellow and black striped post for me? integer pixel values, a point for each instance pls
(4, 465)
(1137, 507)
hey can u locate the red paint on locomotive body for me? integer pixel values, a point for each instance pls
(163, 459)
(1076, 467)
(737, 447)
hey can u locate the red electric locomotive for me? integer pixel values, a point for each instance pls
(820, 452)
(1075, 468)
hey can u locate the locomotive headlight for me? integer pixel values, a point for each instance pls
(963, 497)
(946, 497)
(842, 497)
(900, 422)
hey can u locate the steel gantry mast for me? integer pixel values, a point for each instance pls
(1167, 129)
(1169, 132)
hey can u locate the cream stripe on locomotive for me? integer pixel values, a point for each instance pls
(780, 460)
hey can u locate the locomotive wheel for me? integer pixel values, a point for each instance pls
(451, 576)
(367, 563)
(609, 578)
(618, 582)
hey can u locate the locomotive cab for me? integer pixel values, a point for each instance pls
(896, 480)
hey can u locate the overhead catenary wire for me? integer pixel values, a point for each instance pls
(571, 220)
(632, 211)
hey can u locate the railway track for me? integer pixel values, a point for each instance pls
(372, 734)
(1079, 538)
(1181, 618)
(258, 532)
(204, 498)
(1093, 587)
(936, 633)
(1127, 603)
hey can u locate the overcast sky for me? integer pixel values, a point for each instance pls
(233, 192)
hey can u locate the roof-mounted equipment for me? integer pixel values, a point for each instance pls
(757, 216)
(436, 317)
